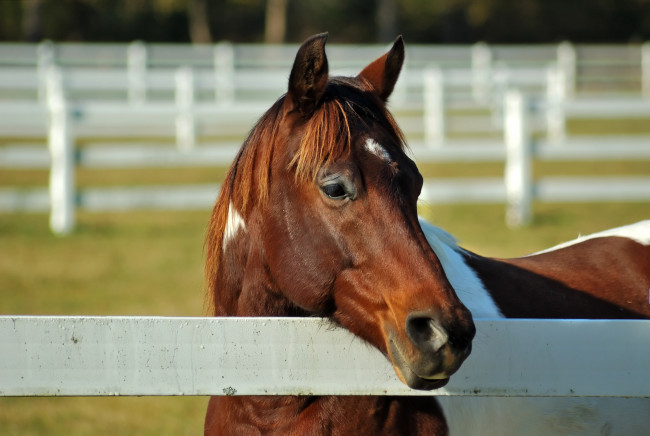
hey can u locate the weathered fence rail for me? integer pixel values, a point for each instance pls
(59, 356)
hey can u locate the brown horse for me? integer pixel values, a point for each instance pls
(318, 217)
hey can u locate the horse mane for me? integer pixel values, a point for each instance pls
(327, 137)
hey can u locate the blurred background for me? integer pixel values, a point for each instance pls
(118, 120)
(277, 21)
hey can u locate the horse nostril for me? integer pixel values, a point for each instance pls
(463, 339)
(425, 332)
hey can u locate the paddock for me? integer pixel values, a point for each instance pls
(474, 388)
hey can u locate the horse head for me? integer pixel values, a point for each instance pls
(318, 217)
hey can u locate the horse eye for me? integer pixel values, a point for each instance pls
(335, 191)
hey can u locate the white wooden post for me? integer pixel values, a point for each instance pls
(185, 123)
(62, 179)
(556, 95)
(45, 60)
(434, 107)
(518, 177)
(224, 72)
(567, 62)
(481, 71)
(645, 69)
(137, 72)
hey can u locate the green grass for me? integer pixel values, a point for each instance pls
(113, 264)
(102, 416)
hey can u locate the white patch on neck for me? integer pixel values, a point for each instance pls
(375, 148)
(234, 223)
(463, 279)
(639, 232)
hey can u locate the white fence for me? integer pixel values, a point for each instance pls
(433, 104)
(146, 71)
(58, 356)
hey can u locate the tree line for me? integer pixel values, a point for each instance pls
(348, 21)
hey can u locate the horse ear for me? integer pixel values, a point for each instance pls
(383, 72)
(309, 75)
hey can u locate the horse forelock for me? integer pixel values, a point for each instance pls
(327, 135)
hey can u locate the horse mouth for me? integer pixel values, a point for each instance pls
(406, 373)
(424, 384)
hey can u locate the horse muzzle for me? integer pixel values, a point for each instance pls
(431, 352)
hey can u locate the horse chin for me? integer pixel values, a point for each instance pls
(423, 384)
(409, 377)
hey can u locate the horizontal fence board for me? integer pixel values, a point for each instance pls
(58, 356)
(586, 189)
(463, 190)
(24, 200)
(222, 153)
(438, 191)
(142, 155)
(170, 197)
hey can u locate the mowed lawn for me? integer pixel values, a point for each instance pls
(151, 263)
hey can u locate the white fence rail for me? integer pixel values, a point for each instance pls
(58, 356)
(433, 105)
(518, 188)
(145, 68)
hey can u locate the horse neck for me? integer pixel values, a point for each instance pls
(243, 284)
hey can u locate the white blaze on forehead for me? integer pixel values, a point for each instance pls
(375, 148)
(234, 223)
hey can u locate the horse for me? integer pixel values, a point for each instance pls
(604, 275)
(318, 217)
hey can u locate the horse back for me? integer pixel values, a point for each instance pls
(599, 278)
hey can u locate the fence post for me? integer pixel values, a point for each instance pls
(45, 60)
(185, 123)
(518, 177)
(137, 70)
(645, 69)
(556, 95)
(481, 71)
(567, 63)
(224, 72)
(434, 107)
(62, 178)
